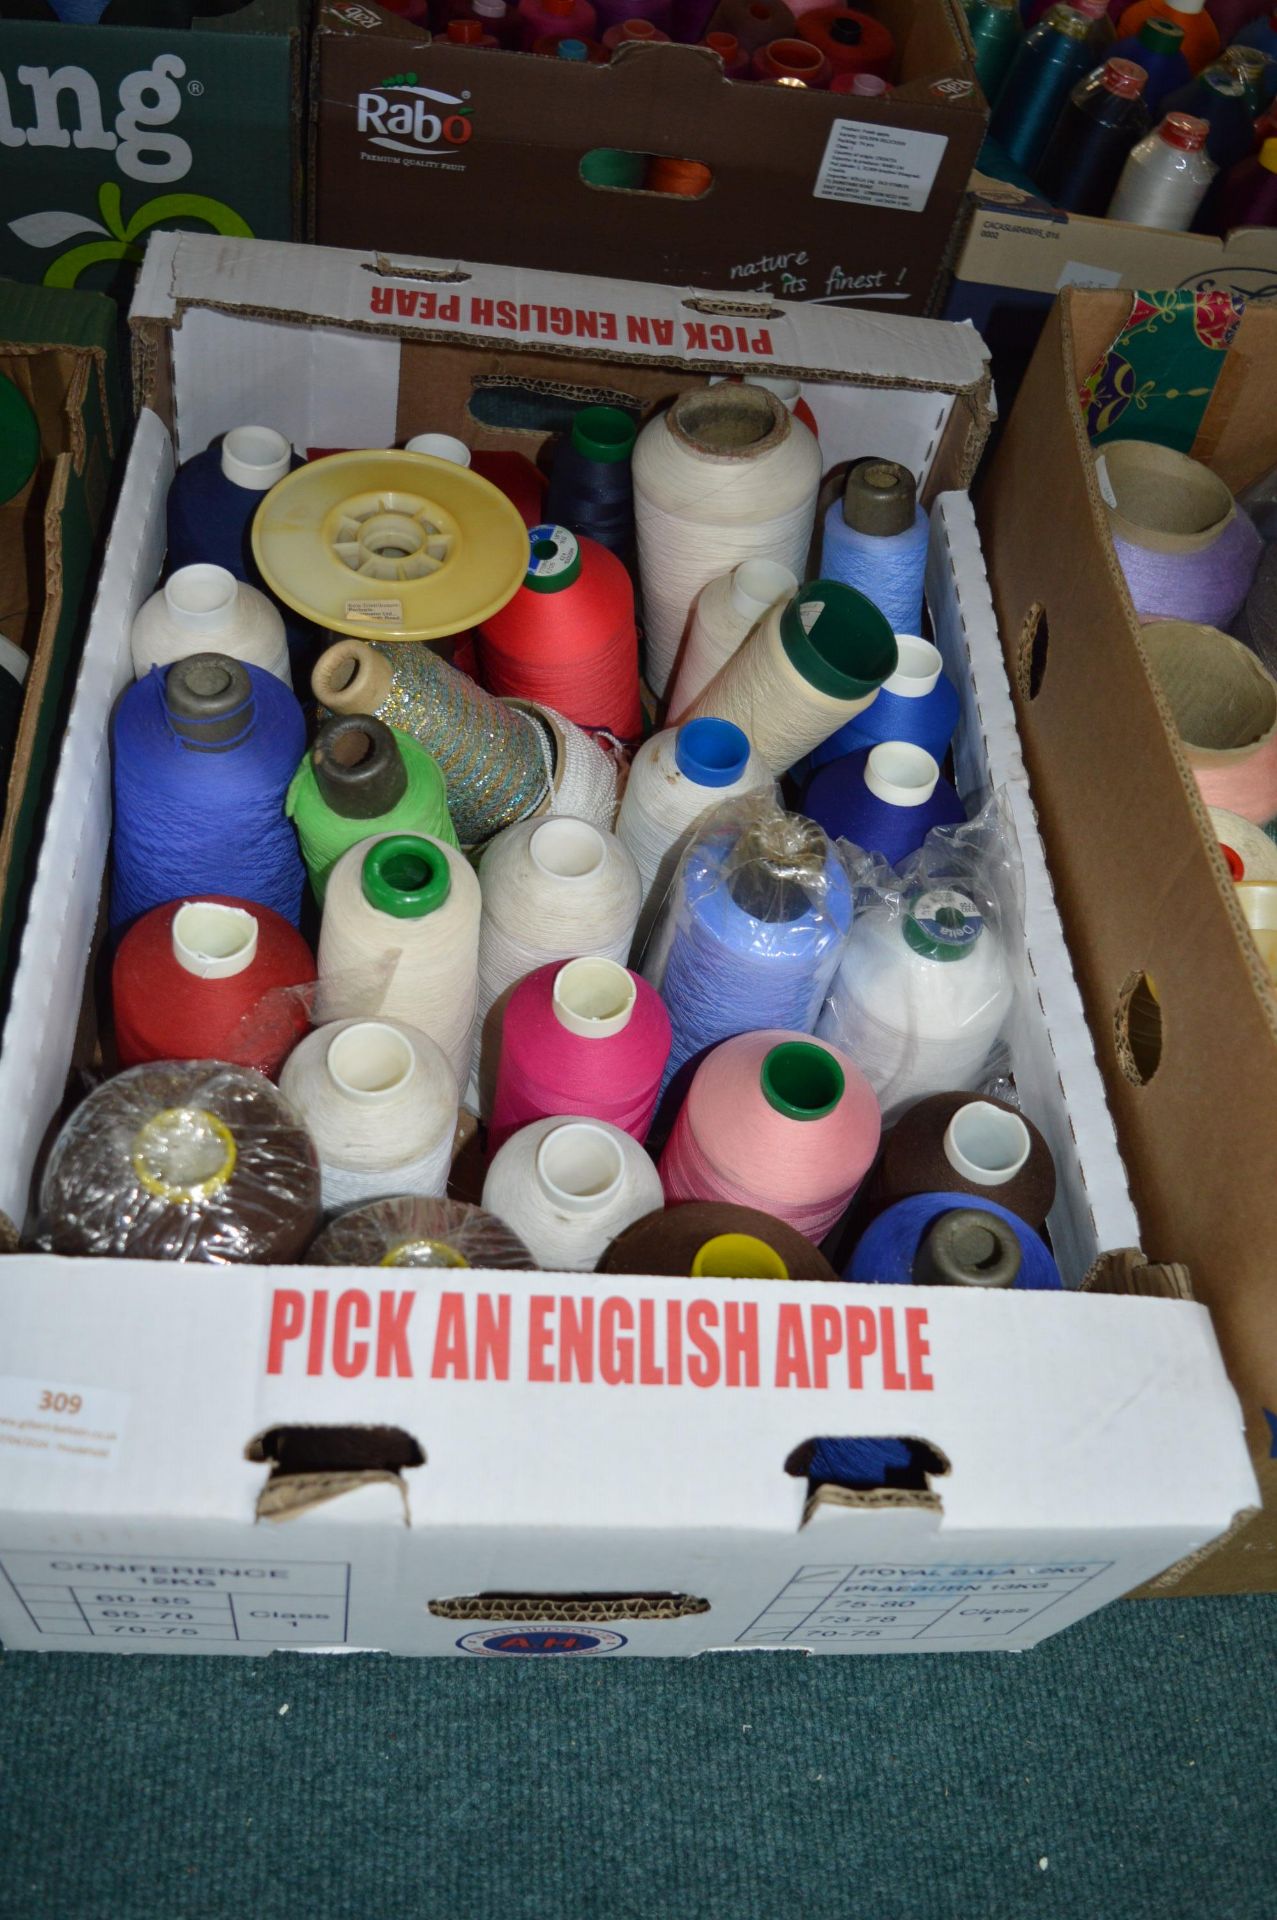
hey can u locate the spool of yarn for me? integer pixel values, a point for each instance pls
(590, 489)
(726, 612)
(728, 48)
(1223, 706)
(492, 757)
(1201, 36)
(884, 799)
(202, 755)
(951, 1143)
(1186, 550)
(1248, 194)
(1158, 48)
(584, 1038)
(203, 609)
(792, 60)
(519, 480)
(631, 33)
(920, 997)
(875, 540)
(788, 1126)
(362, 778)
(446, 446)
(753, 22)
(711, 1241)
(996, 29)
(614, 13)
(1102, 119)
(210, 979)
(1218, 95)
(555, 19)
(407, 1230)
(581, 772)
(808, 667)
(916, 703)
(1255, 70)
(669, 173)
(1166, 176)
(1050, 60)
(380, 1102)
(568, 1187)
(170, 1161)
(677, 778)
(552, 890)
(939, 1239)
(1247, 849)
(612, 167)
(726, 474)
(757, 925)
(567, 639)
(851, 41)
(1256, 625)
(400, 940)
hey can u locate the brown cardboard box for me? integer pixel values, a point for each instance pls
(451, 150)
(1144, 892)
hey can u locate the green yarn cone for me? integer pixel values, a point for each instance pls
(325, 835)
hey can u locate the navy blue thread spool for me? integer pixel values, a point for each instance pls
(1102, 119)
(875, 540)
(210, 510)
(909, 1244)
(202, 756)
(915, 703)
(591, 491)
(1158, 47)
(1218, 96)
(885, 799)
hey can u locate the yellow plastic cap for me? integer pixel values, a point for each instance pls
(1268, 155)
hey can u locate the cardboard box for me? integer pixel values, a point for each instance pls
(1144, 892)
(60, 350)
(476, 153)
(110, 131)
(1018, 252)
(1082, 1440)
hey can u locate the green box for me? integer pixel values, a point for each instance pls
(109, 131)
(60, 350)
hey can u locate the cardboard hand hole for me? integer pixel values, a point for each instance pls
(1138, 1024)
(618, 170)
(1035, 638)
(387, 269)
(313, 1464)
(576, 1607)
(546, 406)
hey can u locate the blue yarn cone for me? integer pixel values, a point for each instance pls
(886, 1251)
(838, 799)
(927, 720)
(887, 568)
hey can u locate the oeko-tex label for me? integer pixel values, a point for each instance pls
(878, 166)
(49, 1420)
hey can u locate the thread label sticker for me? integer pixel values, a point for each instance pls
(377, 613)
(128, 1597)
(540, 1640)
(826, 1606)
(49, 1420)
(877, 166)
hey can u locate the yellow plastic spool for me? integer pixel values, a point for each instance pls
(737, 1256)
(390, 546)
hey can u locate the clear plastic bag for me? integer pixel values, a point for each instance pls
(405, 1230)
(754, 927)
(924, 989)
(182, 1161)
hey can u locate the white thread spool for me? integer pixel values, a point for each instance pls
(396, 942)
(567, 1187)
(725, 475)
(677, 778)
(552, 890)
(380, 1101)
(443, 446)
(1252, 849)
(1166, 175)
(582, 774)
(726, 612)
(807, 667)
(920, 997)
(205, 609)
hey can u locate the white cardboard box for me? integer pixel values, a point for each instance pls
(605, 1495)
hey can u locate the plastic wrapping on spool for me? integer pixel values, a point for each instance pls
(406, 1230)
(199, 1162)
(707, 1239)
